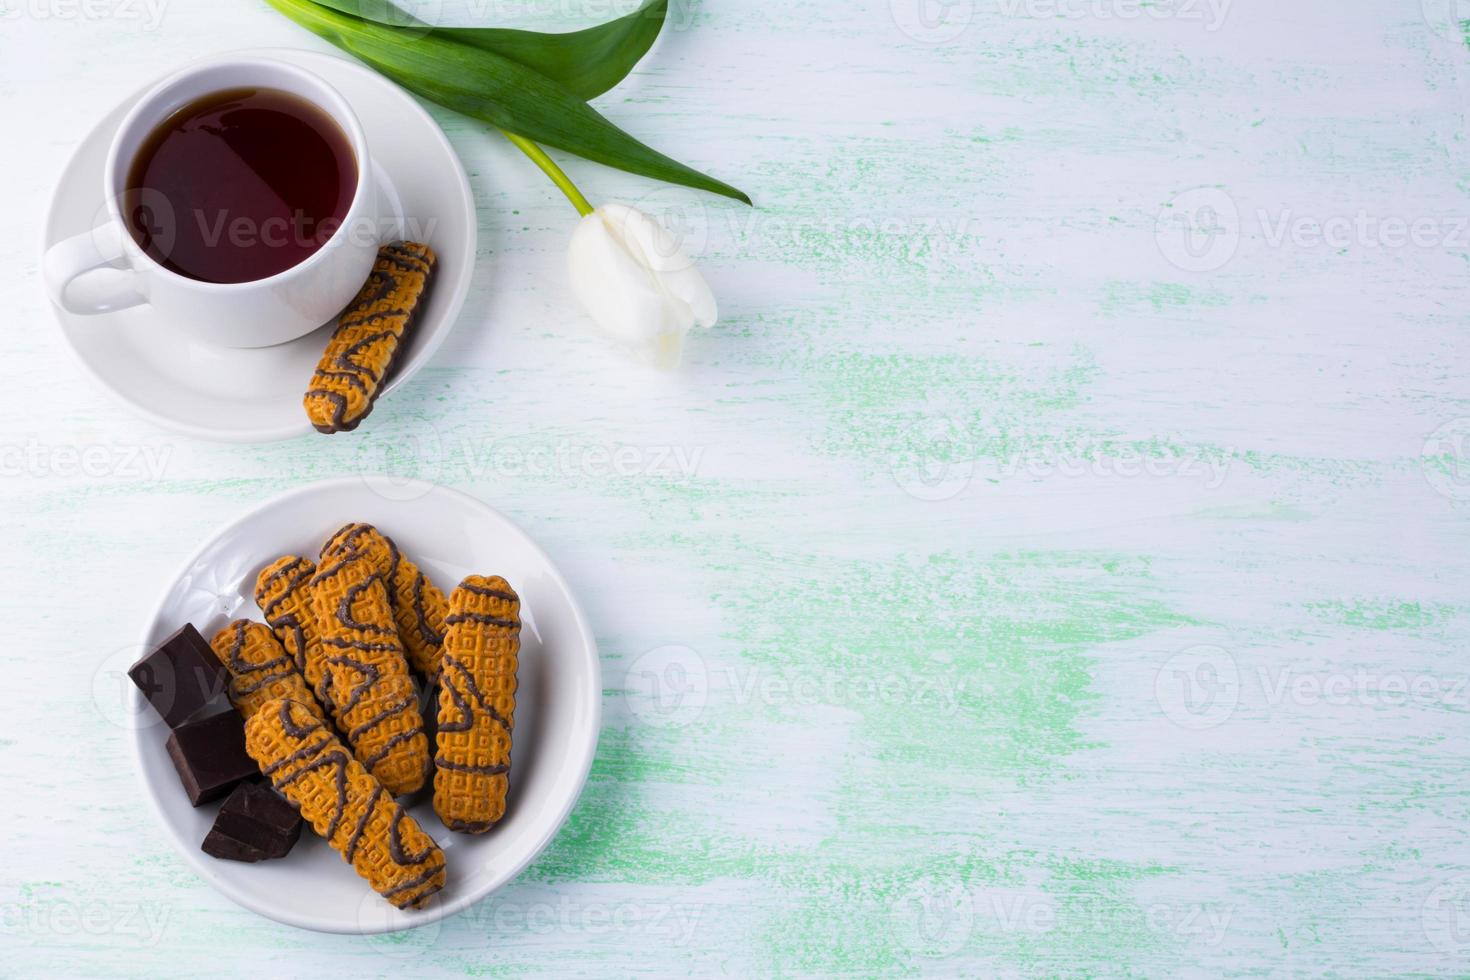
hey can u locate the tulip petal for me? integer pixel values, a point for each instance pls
(665, 256)
(637, 283)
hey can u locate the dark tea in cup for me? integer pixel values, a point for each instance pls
(239, 185)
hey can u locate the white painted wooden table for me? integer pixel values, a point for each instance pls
(1055, 562)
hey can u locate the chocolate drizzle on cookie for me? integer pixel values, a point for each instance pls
(345, 804)
(259, 667)
(362, 822)
(348, 620)
(477, 681)
(280, 591)
(251, 677)
(370, 338)
(366, 676)
(461, 685)
(417, 606)
(427, 633)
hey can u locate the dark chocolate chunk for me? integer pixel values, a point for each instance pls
(180, 677)
(209, 753)
(221, 845)
(257, 817)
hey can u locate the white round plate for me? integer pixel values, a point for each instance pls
(236, 395)
(558, 700)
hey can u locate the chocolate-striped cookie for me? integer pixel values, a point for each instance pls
(370, 337)
(283, 593)
(419, 607)
(366, 679)
(260, 669)
(344, 803)
(477, 700)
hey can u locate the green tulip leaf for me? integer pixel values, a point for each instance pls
(494, 88)
(586, 62)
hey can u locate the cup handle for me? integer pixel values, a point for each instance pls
(68, 260)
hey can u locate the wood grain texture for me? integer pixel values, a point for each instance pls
(1054, 563)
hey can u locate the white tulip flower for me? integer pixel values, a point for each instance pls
(636, 282)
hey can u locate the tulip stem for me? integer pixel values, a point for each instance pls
(549, 168)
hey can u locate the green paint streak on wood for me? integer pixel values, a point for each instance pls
(1004, 644)
(1005, 640)
(877, 405)
(1127, 298)
(1384, 614)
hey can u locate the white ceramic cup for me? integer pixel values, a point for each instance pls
(259, 313)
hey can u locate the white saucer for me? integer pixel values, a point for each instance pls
(236, 395)
(558, 701)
